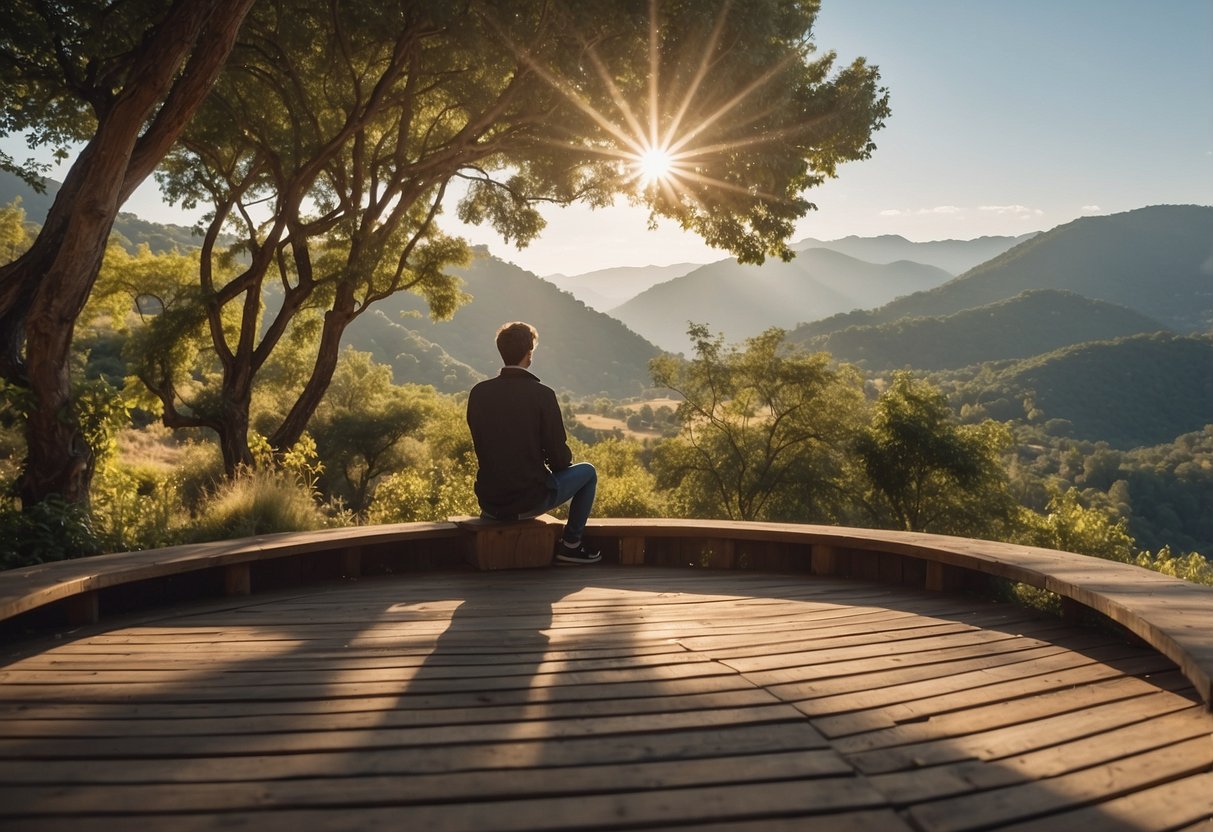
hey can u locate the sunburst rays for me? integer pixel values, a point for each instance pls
(669, 142)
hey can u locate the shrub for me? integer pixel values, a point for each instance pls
(51, 530)
(420, 494)
(257, 501)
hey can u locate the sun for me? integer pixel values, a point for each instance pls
(655, 165)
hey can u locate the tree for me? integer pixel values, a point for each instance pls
(763, 428)
(360, 426)
(331, 144)
(926, 473)
(123, 77)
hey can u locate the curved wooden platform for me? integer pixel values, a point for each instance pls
(1174, 616)
(599, 698)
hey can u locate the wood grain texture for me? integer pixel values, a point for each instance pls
(599, 698)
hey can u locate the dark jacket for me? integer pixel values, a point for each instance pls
(519, 437)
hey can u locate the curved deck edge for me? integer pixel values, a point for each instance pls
(1173, 616)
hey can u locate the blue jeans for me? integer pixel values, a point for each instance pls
(578, 483)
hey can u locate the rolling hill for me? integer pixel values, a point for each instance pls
(742, 301)
(1130, 392)
(1157, 261)
(129, 230)
(1035, 322)
(580, 350)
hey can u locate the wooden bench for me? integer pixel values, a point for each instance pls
(1173, 616)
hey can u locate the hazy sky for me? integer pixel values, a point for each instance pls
(1007, 117)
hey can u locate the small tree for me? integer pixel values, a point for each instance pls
(763, 428)
(925, 473)
(360, 426)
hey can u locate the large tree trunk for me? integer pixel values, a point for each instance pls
(43, 292)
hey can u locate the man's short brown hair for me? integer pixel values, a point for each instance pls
(515, 340)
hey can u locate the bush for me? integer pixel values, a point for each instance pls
(136, 507)
(257, 501)
(419, 494)
(51, 530)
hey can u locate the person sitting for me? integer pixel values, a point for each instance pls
(525, 466)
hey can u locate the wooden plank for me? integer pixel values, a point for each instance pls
(1032, 751)
(592, 811)
(732, 741)
(1038, 798)
(983, 717)
(394, 789)
(61, 720)
(1186, 803)
(1021, 674)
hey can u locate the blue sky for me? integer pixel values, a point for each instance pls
(1008, 117)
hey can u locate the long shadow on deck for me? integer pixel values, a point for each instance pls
(599, 698)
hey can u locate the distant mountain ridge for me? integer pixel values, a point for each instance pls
(953, 256)
(742, 301)
(1035, 322)
(1157, 261)
(605, 289)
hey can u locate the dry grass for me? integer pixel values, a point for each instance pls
(153, 446)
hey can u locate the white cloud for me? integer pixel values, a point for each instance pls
(940, 209)
(1091, 209)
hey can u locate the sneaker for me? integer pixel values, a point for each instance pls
(576, 554)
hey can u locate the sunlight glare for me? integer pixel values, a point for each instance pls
(655, 165)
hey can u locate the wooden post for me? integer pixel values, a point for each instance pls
(237, 579)
(824, 559)
(84, 608)
(351, 562)
(943, 578)
(631, 551)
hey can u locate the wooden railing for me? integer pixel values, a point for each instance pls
(1174, 616)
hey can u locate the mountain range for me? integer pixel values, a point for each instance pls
(1157, 261)
(1108, 280)
(741, 301)
(1129, 392)
(953, 256)
(580, 350)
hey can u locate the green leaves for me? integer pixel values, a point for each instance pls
(763, 427)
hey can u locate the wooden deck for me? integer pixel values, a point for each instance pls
(599, 698)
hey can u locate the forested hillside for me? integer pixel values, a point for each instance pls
(1157, 261)
(1142, 390)
(1035, 322)
(129, 230)
(580, 350)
